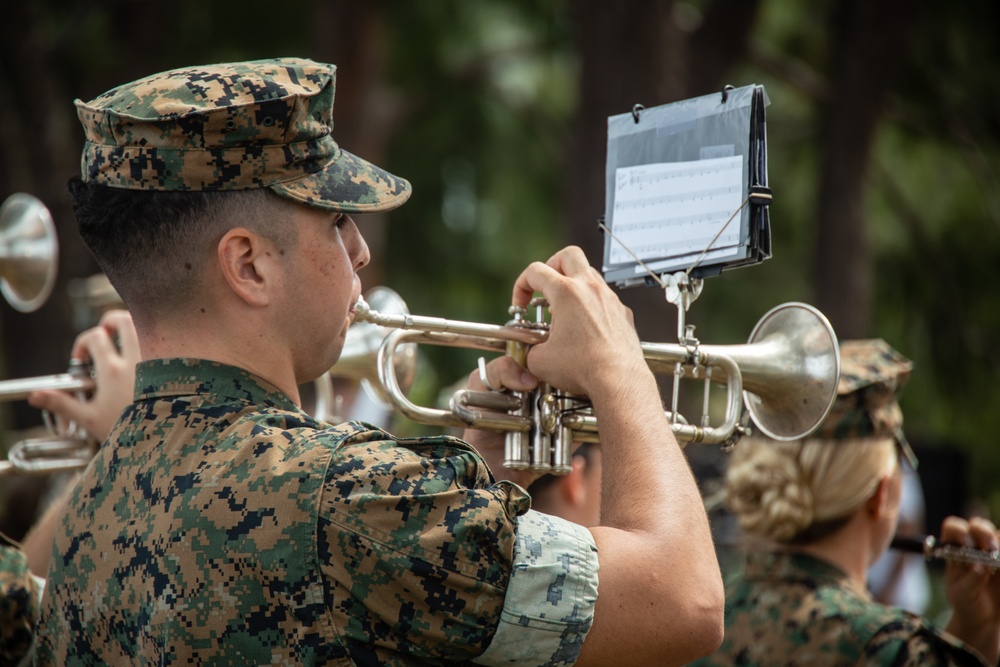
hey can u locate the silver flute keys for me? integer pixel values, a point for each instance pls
(930, 549)
(957, 554)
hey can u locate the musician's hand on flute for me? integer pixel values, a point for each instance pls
(114, 369)
(973, 591)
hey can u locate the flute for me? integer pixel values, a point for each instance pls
(931, 550)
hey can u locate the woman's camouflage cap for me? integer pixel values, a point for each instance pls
(872, 375)
(233, 126)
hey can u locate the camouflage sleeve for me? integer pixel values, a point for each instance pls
(550, 599)
(20, 595)
(416, 545)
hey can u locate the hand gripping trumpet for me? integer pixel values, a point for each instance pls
(786, 375)
(61, 450)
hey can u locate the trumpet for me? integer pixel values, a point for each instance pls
(786, 375)
(59, 451)
(79, 378)
(48, 455)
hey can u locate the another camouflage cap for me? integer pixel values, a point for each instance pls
(872, 375)
(233, 126)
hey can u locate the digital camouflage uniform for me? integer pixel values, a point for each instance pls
(789, 608)
(19, 593)
(221, 525)
(792, 609)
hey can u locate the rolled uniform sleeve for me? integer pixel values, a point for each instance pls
(416, 543)
(550, 600)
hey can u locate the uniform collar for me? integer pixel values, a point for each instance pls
(785, 565)
(164, 378)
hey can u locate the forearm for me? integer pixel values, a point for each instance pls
(660, 596)
(648, 485)
(659, 576)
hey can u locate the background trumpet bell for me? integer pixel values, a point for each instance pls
(28, 252)
(358, 359)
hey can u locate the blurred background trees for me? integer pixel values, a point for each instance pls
(883, 143)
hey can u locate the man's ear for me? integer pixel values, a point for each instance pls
(247, 266)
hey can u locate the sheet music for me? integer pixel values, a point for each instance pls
(676, 208)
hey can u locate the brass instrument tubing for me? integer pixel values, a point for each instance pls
(18, 390)
(705, 397)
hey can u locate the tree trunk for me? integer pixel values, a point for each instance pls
(870, 47)
(629, 54)
(38, 153)
(366, 111)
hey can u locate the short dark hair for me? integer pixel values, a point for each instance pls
(152, 244)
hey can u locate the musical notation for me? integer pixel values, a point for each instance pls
(676, 207)
(639, 177)
(659, 200)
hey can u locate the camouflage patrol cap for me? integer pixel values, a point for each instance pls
(872, 375)
(232, 126)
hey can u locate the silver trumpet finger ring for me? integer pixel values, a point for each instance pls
(482, 375)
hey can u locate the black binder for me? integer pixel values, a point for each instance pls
(686, 187)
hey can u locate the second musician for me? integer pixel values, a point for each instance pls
(819, 513)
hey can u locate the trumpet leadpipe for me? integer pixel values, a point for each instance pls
(78, 378)
(465, 332)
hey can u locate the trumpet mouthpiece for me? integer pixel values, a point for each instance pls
(361, 309)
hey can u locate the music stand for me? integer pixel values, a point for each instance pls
(686, 188)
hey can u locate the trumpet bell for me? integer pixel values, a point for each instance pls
(28, 252)
(791, 367)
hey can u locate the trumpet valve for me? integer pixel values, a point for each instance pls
(516, 451)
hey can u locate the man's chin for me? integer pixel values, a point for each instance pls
(313, 373)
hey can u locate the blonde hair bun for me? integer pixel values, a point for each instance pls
(768, 494)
